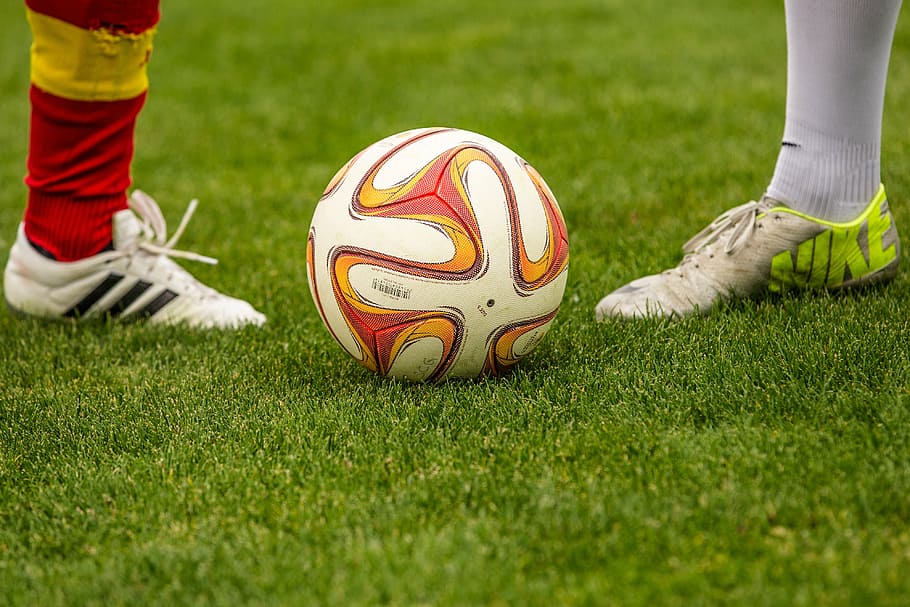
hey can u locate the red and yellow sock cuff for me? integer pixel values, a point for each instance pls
(91, 50)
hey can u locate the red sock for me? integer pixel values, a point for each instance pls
(84, 104)
(78, 172)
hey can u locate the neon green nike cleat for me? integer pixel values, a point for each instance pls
(764, 246)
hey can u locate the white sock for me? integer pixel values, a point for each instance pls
(837, 62)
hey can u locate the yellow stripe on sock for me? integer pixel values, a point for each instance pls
(88, 65)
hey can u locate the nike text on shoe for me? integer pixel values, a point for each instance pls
(764, 246)
(137, 279)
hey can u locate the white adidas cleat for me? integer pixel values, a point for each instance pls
(760, 247)
(135, 280)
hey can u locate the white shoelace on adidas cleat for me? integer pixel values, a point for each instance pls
(154, 229)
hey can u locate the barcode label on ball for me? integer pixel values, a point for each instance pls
(392, 289)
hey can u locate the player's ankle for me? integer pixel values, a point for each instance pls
(65, 228)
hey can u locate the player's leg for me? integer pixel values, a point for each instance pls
(824, 221)
(81, 252)
(837, 63)
(89, 83)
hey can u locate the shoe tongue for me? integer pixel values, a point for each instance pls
(126, 228)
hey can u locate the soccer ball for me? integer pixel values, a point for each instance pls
(437, 253)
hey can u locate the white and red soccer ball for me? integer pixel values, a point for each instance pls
(437, 253)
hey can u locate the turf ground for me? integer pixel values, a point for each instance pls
(759, 456)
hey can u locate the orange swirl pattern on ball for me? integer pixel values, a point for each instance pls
(532, 274)
(382, 333)
(435, 195)
(501, 356)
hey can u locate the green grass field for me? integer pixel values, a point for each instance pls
(758, 456)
